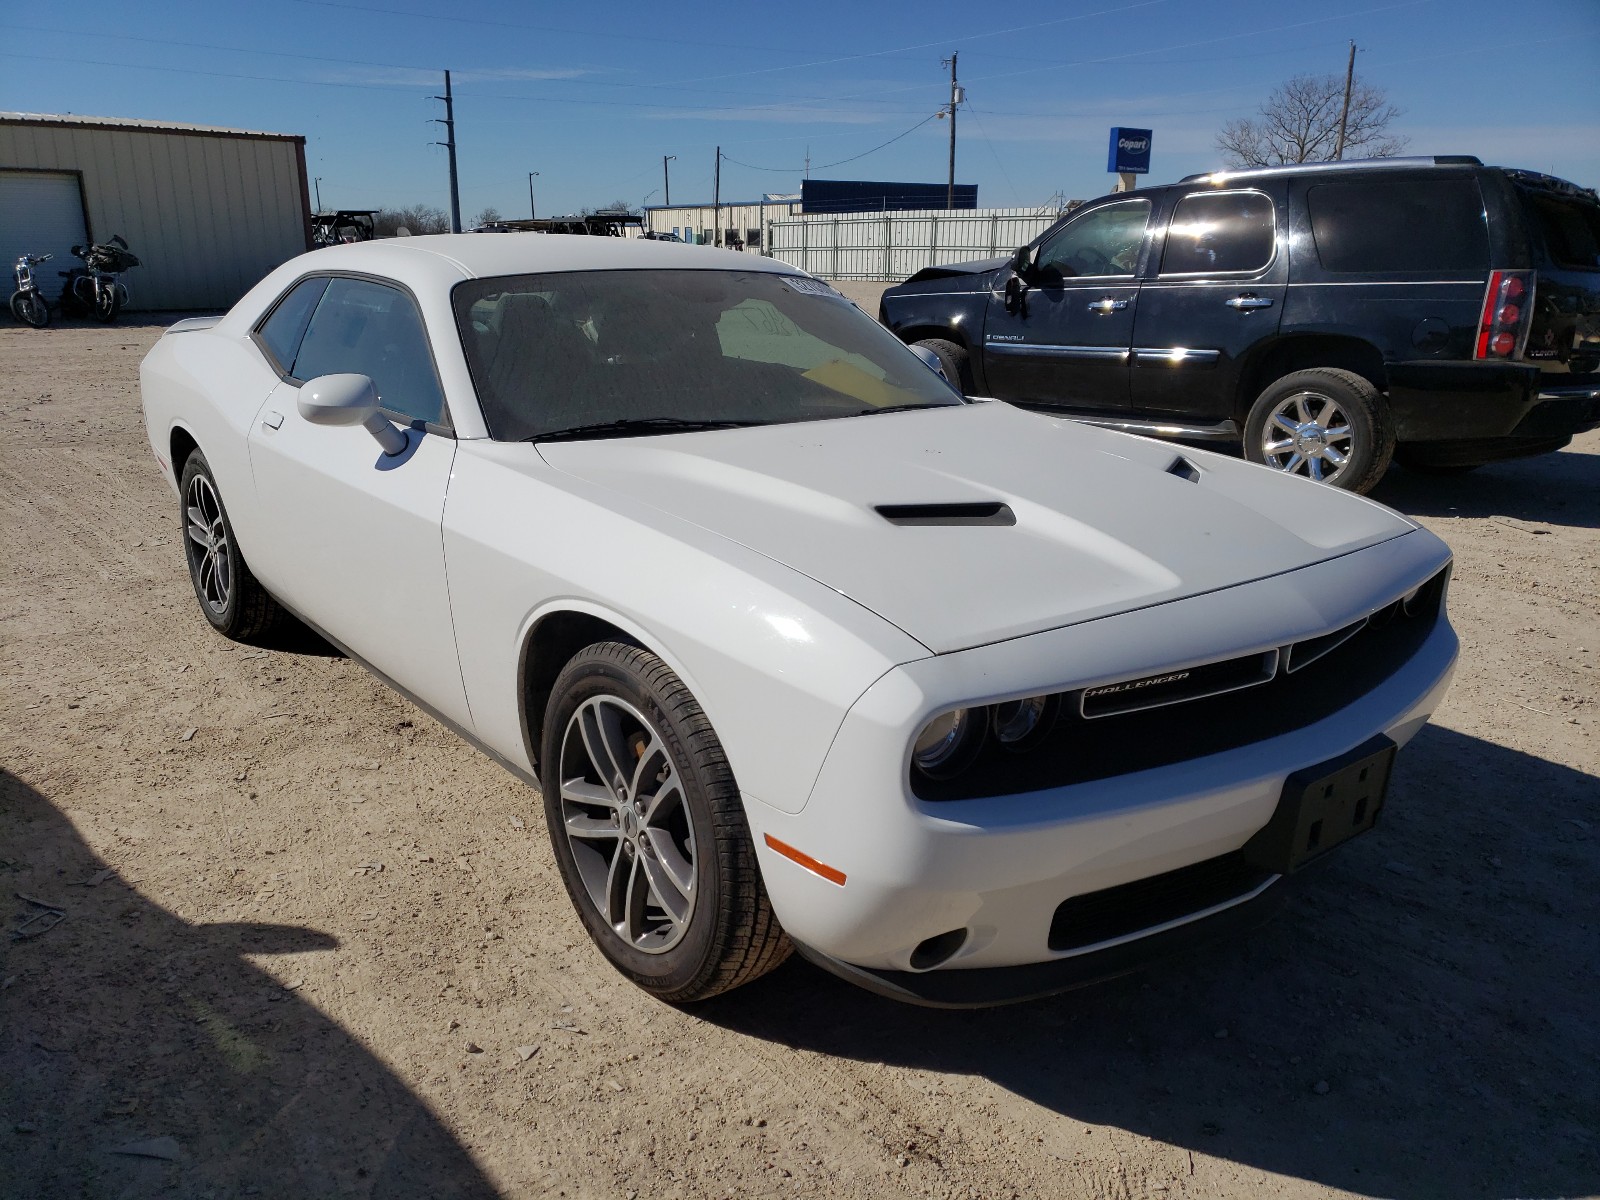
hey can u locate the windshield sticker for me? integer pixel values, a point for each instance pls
(810, 287)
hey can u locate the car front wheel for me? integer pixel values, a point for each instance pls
(649, 830)
(230, 596)
(1326, 424)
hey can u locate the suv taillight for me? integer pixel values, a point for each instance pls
(1507, 307)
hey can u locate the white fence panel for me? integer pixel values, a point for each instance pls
(894, 245)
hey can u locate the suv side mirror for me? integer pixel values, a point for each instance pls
(1022, 261)
(349, 400)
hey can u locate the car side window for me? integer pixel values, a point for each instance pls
(1388, 227)
(281, 332)
(1220, 232)
(371, 329)
(1104, 242)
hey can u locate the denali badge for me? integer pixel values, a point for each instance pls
(1112, 689)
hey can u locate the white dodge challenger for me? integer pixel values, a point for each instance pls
(803, 650)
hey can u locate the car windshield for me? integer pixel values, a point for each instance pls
(618, 352)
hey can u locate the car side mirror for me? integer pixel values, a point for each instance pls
(349, 400)
(1022, 261)
(930, 360)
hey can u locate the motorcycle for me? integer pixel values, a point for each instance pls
(28, 302)
(94, 289)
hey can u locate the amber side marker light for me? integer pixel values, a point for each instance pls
(805, 860)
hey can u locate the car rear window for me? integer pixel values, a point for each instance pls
(1570, 229)
(1394, 227)
(1217, 232)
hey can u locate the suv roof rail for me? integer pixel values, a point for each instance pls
(1354, 164)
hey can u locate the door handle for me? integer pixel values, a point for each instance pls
(272, 420)
(1248, 301)
(1106, 305)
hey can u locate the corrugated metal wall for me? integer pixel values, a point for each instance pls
(895, 245)
(207, 214)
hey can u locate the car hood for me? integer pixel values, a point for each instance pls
(976, 266)
(1101, 522)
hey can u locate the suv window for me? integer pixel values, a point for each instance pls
(1571, 229)
(280, 333)
(1389, 227)
(1214, 232)
(1103, 242)
(374, 330)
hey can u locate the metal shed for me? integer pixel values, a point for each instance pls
(209, 211)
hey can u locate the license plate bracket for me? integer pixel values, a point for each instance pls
(1324, 806)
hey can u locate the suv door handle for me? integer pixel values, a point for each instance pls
(1248, 301)
(1106, 305)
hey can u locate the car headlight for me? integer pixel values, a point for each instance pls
(1021, 724)
(949, 742)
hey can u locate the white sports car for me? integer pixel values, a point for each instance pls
(965, 703)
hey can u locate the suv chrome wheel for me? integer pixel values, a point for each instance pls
(626, 822)
(1308, 434)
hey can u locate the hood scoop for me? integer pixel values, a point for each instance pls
(986, 512)
(1184, 469)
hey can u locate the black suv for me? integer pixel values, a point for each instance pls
(1330, 316)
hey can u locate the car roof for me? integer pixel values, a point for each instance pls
(480, 255)
(1322, 168)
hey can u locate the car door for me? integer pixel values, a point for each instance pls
(1219, 277)
(352, 540)
(1064, 341)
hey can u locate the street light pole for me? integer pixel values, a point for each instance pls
(318, 186)
(531, 213)
(666, 179)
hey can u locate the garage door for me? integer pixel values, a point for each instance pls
(41, 212)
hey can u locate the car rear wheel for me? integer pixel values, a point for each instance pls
(1325, 424)
(230, 596)
(955, 360)
(649, 830)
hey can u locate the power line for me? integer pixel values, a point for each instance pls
(842, 161)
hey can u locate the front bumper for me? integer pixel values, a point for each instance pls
(997, 868)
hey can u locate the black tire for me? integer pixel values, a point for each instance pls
(956, 361)
(727, 934)
(107, 304)
(1366, 444)
(237, 605)
(30, 308)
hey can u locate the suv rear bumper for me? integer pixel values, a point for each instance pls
(1497, 404)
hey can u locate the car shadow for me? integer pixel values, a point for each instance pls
(1418, 1022)
(1559, 489)
(130, 1029)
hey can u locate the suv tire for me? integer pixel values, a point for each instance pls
(956, 361)
(1324, 423)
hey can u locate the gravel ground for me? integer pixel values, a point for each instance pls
(313, 945)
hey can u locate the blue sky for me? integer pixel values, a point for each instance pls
(591, 96)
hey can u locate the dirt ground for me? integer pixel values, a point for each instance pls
(314, 945)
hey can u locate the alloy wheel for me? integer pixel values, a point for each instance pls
(208, 549)
(626, 820)
(1308, 434)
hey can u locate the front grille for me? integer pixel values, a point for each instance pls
(1116, 912)
(1330, 672)
(1174, 687)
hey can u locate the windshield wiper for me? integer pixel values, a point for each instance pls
(630, 426)
(888, 408)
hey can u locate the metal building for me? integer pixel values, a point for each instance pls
(208, 211)
(742, 222)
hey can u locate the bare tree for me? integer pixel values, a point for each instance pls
(1300, 123)
(419, 218)
(489, 216)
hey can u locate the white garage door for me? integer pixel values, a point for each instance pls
(41, 212)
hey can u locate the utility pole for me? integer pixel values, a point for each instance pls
(666, 179)
(449, 123)
(531, 213)
(1344, 113)
(716, 200)
(808, 162)
(955, 99)
(318, 186)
